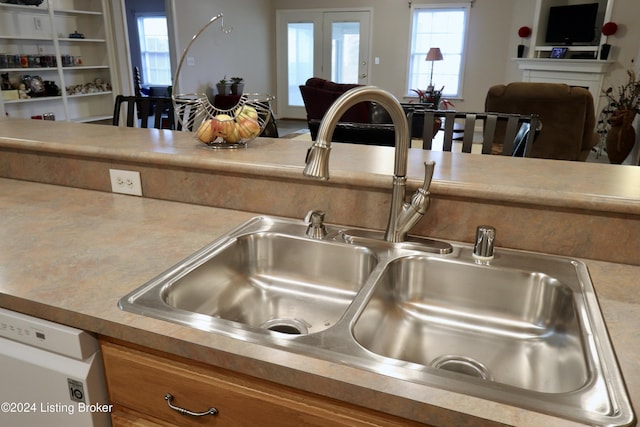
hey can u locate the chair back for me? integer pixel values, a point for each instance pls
(137, 82)
(567, 113)
(152, 111)
(516, 130)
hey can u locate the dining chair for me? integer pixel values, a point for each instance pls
(499, 133)
(151, 111)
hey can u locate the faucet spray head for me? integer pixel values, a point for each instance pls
(317, 161)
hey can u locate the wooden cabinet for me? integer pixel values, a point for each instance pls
(138, 382)
(65, 43)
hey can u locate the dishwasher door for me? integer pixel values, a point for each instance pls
(50, 375)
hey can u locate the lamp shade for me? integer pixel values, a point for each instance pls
(434, 54)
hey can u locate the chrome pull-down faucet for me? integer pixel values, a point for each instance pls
(403, 216)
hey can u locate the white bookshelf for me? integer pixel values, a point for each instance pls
(82, 68)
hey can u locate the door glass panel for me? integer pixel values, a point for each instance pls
(345, 51)
(300, 59)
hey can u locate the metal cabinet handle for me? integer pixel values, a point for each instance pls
(169, 397)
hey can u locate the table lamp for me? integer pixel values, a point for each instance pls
(434, 54)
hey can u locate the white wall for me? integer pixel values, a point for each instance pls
(245, 52)
(486, 44)
(250, 50)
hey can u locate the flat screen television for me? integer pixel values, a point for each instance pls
(572, 24)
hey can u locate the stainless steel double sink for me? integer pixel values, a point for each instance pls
(523, 329)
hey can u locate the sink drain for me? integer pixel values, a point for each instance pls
(286, 326)
(462, 365)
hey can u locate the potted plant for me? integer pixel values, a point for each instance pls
(237, 85)
(224, 86)
(433, 97)
(623, 105)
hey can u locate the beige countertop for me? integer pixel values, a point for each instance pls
(566, 208)
(69, 254)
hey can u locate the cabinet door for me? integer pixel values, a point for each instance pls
(139, 381)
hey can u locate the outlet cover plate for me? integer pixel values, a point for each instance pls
(125, 182)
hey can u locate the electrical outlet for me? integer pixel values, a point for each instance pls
(125, 182)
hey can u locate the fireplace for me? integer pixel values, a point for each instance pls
(587, 73)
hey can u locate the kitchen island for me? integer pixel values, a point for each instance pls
(68, 254)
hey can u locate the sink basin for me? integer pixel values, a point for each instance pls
(510, 326)
(523, 329)
(266, 276)
(282, 283)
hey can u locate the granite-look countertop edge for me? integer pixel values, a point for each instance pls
(553, 183)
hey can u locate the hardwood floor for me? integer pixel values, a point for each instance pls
(289, 126)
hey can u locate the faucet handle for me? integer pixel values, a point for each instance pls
(315, 221)
(429, 167)
(420, 200)
(413, 211)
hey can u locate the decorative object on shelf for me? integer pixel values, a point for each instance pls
(237, 85)
(23, 91)
(51, 88)
(433, 55)
(76, 35)
(44, 116)
(224, 86)
(558, 52)
(97, 86)
(623, 105)
(34, 85)
(523, 32)
(219, 128)
(5, 82)
(10, 95)
(608, 29)
(25, 2)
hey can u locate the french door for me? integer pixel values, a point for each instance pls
(330, 44)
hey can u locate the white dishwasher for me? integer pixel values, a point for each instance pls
(50, 375)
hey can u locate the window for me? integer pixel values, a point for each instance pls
(438, 26)
(154, 50)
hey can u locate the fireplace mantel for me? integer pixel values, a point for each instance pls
(564, 65)
(587, 73)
